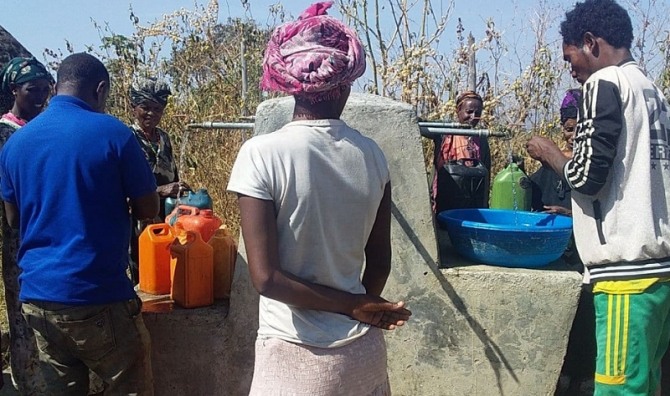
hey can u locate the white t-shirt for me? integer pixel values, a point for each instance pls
(326, 181)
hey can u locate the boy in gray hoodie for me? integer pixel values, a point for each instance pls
(619, 175)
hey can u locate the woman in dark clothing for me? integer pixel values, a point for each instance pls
(550, 193)
(30, 84)
(148, 100)
(462, 163)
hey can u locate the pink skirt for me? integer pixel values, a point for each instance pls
(356, 369)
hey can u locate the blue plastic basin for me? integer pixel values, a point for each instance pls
(507, 238)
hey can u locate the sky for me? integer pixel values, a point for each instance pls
(40, 24)
(47, 23)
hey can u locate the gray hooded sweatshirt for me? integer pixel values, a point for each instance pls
(620, 176)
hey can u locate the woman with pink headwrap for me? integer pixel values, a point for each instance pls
(315, 206)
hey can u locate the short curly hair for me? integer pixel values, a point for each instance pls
(603, 18)
(81, 70)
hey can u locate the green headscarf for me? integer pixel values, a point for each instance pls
(21, 70)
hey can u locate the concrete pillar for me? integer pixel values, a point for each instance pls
(476, 330)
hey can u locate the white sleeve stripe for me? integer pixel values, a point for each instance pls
(628, 267)
(576, 175)
(626, 274)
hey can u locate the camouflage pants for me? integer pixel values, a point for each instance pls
(24, 360)
(109, 339)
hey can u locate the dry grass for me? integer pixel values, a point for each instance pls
(203, 65)
(214, 151)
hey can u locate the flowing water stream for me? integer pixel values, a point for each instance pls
(182, 161)
(515, 202)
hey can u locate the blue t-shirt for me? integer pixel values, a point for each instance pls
(70, 171)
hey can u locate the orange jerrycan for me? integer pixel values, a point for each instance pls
(201, 220)
(191, 270)
(179, 211)
(225, 254)
(154, 258)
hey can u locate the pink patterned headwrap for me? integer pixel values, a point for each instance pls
(313, 57)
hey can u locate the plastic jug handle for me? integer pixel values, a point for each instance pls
(159, 228)
(186, 237)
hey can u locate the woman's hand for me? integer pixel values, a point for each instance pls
(259, 230)
(172, 189)
(557, 209)
(379, 312)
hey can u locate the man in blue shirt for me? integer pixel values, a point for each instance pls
(69, 180)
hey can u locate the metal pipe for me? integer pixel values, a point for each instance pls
(222, 125)
(444, 124)
(243, 62)
(434, 128)
(426, 130)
